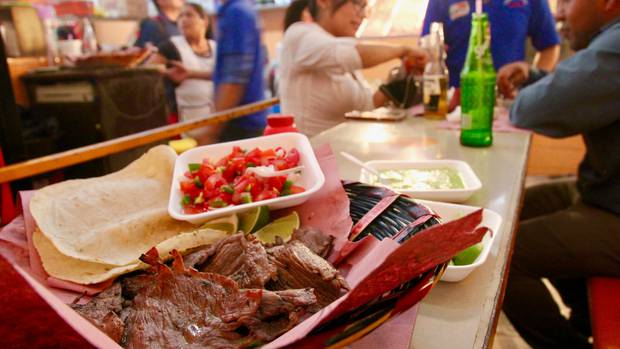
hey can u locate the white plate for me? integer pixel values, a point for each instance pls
(312, 178)
(490, 219)
(470, 180)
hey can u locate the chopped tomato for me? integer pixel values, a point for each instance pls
(266, 195)
(189, 188)
(212, 185)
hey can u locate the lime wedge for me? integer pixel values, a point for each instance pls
(254, 219)
(229, 224)
(468, 255)
(282, 227)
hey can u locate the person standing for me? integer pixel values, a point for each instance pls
(512, 22)
(191, 61)
(321, 62)
(160, 28)
(239, 65)
(569, 231)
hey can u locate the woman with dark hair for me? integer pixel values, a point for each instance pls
(297, 11)
(190, 61)
(320, 63)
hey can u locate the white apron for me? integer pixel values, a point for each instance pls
(194, 96)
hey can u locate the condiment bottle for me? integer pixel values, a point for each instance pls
(279, 123)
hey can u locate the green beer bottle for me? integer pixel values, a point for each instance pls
(478, 86)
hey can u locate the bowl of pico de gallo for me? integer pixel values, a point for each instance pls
(216, 180)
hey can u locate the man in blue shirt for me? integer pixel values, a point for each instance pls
(569, 231)
(238, 75)
(511, 21)
(159, 29)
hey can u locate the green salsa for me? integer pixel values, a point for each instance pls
(421, 179)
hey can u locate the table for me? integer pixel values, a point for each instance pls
(463, 314)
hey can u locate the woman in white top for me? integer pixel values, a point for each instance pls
(191, 60)
(321, 62)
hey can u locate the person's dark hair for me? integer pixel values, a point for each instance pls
(294, 12)
(203, 14)
(313, 7)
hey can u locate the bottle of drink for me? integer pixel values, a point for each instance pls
(435, 76)
(478, 86)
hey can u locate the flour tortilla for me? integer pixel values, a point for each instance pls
(82, 272)
(113, 219)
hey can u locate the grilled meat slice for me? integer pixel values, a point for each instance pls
(102, 311)
(299, 267)
(315, 240)
(280, 311)
(241, 258)
(185, 308)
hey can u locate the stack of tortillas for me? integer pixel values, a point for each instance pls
(91, 230)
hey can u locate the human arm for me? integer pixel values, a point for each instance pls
(228, 96)
(580, 96)
(544, 36)
(179, 73)
(374, 54)
(547, 58)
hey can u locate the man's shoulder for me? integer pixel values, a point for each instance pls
(608, 39)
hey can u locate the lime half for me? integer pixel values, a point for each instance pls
(229, 224)
(254, 219)
(468, 255)
(282, 227)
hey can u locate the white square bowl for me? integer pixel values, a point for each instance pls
(311, 180)
(490, 219)
(470, 180)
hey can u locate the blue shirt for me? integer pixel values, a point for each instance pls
(582, 96)
(511, 21)
(157, 30)
(239, 58)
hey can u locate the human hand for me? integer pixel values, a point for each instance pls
(415, 59)
(512, 76)
(177, 73)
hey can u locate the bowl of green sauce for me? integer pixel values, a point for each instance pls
(439, 180)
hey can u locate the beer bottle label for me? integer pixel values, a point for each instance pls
(432, 85)
(432, 92)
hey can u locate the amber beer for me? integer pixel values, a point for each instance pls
(435, 76)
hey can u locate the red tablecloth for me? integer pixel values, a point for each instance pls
(27, 320)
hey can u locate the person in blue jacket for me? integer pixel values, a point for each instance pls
(512, 22)
(159, 29)
(569, 230)
(239, 63)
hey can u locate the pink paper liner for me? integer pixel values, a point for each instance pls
(364, 256)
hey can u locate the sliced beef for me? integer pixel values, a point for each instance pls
(315, 240)
(243, 260)
(102, 311)
(185, 308)
(199, 257)
(280, 311)
(133, 284)
(299, 267)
